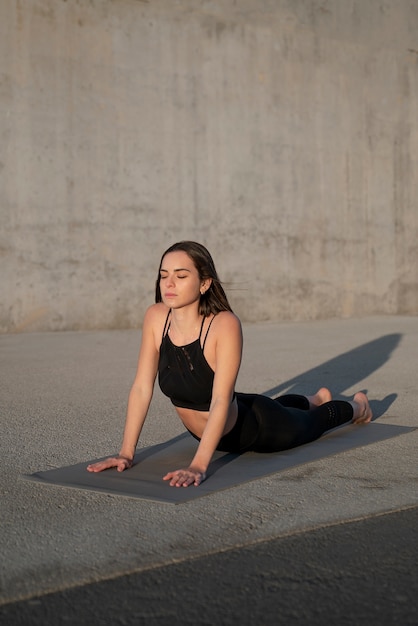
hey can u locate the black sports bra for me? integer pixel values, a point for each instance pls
(184, 375)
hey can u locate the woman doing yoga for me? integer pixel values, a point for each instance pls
(192, 340)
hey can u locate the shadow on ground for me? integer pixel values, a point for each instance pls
(345, 371)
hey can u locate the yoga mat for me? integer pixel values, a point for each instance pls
(144, 479)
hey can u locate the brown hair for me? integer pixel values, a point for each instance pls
(214, 299)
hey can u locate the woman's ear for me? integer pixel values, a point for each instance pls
(205, 285)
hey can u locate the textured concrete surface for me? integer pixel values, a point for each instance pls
(361, 572)
(282, 134)
(63, 398)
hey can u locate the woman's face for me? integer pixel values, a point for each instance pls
(180, 283)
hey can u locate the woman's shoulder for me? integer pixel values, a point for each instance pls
(155, 315)
(157, 310)
(227, 321)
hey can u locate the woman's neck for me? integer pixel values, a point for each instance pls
(185, 324)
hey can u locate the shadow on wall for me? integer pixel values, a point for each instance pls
(345, 371)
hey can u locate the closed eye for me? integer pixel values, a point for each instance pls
(164, 276)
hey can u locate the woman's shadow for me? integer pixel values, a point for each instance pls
(340, 373)
(345, 371)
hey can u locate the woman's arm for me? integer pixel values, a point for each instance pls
(139, 397)
(228, 360)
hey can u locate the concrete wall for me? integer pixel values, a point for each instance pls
(283, 134)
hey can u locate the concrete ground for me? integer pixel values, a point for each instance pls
(334, 540)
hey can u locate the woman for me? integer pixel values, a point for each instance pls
(193, 340)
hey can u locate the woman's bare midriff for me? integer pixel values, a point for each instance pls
(195, 421)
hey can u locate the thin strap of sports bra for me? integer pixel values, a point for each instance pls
(206, 336)
(201, 329)
(166, 325)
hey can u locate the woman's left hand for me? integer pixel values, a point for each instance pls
(185, 477)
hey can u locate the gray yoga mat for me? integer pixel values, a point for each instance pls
(144, 479)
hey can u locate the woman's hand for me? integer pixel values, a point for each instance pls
(185, 477)
(120, 462)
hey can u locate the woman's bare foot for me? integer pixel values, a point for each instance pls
(320, 397)
(361, 408)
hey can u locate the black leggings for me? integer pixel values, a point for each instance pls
(267, 425)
